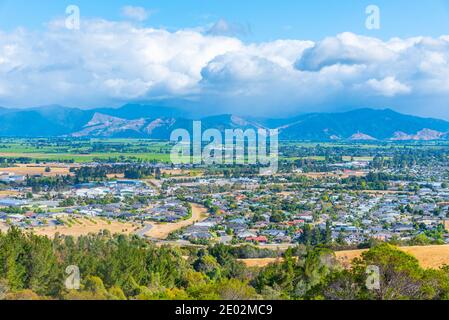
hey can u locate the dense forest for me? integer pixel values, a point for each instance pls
(120, 267)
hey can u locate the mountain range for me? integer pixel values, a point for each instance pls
(157, 122)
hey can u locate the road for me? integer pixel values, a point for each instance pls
(141, 233)
(158, 231)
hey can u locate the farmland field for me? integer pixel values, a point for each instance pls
(29, 169)
(83, 158)
(85, 227)
(85, 150)
(9, 193)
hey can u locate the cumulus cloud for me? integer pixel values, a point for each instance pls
(346, 49)
(111, 63)
(135, 13)
(388, 87)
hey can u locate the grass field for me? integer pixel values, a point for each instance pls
(86, 150)
(320, 175)
(259, 263)
(9, 193)
(31, 169)
(82, 158)
(89, 150)
(430, 257)
(86, 226)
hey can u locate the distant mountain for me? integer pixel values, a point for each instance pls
(377, 124)
(157, 122)
(135, 111)
(357, 137)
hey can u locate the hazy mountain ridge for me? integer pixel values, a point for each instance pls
(142, 121)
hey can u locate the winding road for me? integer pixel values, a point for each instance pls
(158, 231)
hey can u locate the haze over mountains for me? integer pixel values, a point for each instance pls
(142, 121)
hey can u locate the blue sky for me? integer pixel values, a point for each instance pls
(257, 57)
(266, 19)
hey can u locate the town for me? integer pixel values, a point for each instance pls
(321, 195)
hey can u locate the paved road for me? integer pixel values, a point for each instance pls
(141, 233)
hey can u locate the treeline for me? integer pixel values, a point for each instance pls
(116, 267)
(373, 181)
(120, 267)
(100, 172)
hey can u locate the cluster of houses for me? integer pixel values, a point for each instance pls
(35, 212)
(252, 210)
(168, 210)
(354, 218)
(119, 188)
(9, 177)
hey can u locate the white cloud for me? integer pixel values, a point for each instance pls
(388, 87)
(136, 13)
(346, 48)
(110, 63)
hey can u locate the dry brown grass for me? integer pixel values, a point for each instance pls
(116, 176)
(428, 256)
(28, 169)
(382, 192)
(9, 193)
(182, 174)
(320, 175)
(4, 227)
(259, 263)
(162, 231)
(86, 227)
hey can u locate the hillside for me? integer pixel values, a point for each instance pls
(157, 122)
(434, 257)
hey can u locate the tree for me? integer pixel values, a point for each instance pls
(23, 295)
(116, 293)
(208, 265)
(307, 235)
(400, 273)
(158, 174)
(43, 271)
(234, 289)
(328, 233)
